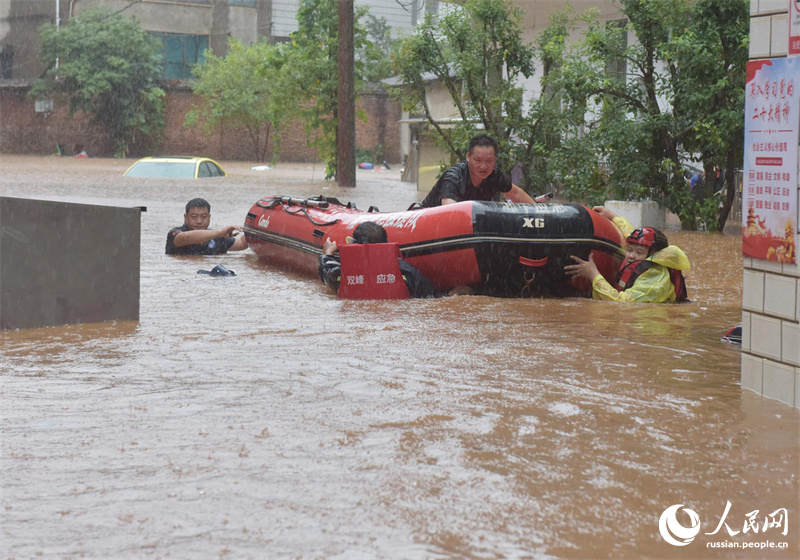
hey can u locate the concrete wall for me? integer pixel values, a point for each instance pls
(59, 266)
(639, 214)
(771, 291)
(19, 33)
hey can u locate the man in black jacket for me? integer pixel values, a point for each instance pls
(477, 178)
(194, 237)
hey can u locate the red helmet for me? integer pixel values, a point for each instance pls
(649, 237)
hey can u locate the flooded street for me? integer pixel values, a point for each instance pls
(258, 416)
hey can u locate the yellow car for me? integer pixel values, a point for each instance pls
(176, 167)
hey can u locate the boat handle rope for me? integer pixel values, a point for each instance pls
(284, 200)
(310, 219)
(534, 263)
(310, 202)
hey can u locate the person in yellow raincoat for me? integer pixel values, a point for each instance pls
(652, 271)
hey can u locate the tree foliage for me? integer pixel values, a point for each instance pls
(620, 112)
(680, 94)
(108, 67)
(244, 90)
(477, 55)
(711, 55)
(313, 71)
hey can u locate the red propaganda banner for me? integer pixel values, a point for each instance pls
(769, 190)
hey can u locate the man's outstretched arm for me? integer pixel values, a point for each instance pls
(516, 194)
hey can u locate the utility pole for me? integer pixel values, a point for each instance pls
(58, 21)
(346, 131)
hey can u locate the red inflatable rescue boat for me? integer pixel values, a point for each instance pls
(501, 249)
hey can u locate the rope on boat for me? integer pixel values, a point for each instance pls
(285, 201)
(310, 219)
(309, 202)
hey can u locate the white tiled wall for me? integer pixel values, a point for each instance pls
(753, 291)
(796, 386)
(768, 6)
(760, 37)
(765, 337)
(746, 330)
(779, 42)
(771, 290)
(790, 343)
(769, 33)
(753, 373)
(778, 381)
(779, 296)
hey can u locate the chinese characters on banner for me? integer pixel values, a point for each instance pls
(769, 190)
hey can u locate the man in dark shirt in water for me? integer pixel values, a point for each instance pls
(194, 237)
(330, 268)
(477, 178)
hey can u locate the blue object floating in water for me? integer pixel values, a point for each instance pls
(218, 270)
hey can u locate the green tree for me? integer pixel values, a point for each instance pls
(312, 67)
(378, 64)
(655, 101)
(108, 67)
(244, 90)
(627, 88)
(476, 53)
(711, 56)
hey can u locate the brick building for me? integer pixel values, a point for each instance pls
(186, 28)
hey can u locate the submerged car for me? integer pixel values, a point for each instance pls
(176, 167)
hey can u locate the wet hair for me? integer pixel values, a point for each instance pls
(198, 203)
(370, 232)
(482, 140)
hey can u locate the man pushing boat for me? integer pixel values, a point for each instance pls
(476, 178)
(194, 237)
(369, 233)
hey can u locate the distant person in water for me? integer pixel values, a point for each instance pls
(330, 268)
(652, 271)
(194, 237)
(477, 178)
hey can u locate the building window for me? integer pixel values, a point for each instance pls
(6, 61)
(618, 68)
(245, 3)
(180, 53)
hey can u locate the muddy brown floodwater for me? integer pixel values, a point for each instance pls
(258, 416)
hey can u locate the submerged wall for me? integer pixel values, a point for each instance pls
(25, 131)
(771, 290)
(63, 263)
